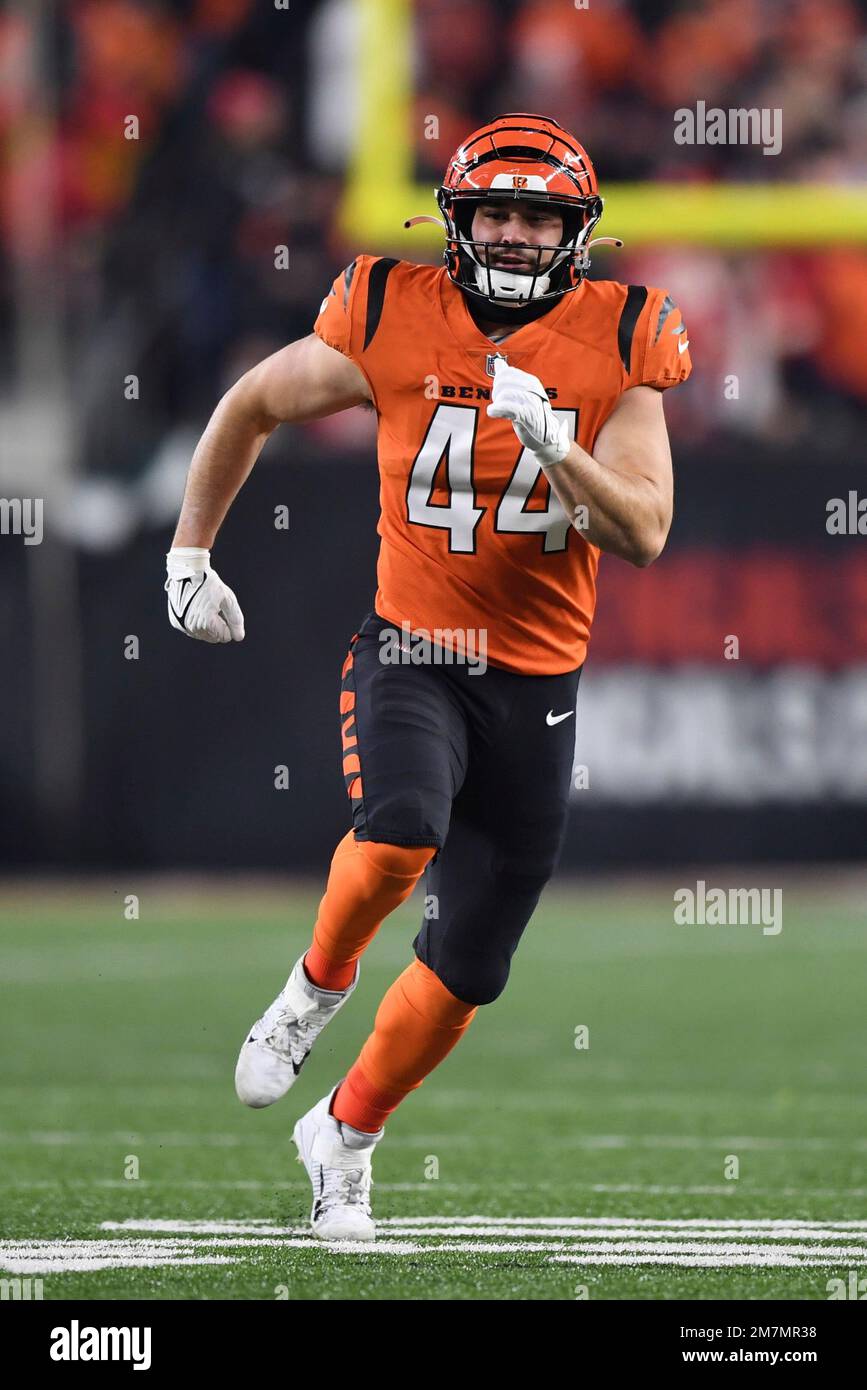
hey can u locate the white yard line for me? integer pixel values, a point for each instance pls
(728, 1190)
(184, 1139)
(725, 1189)
(530, 1228)
(208, 1185)
(590, 1241)
(667, 1223)
(771, 1259)
(69, 1138)
(85, 1264)
(61, 1257)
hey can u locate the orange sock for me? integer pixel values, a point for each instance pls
(417, 1024)
(367, 881)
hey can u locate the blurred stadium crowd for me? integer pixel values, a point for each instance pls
(154, 258)
(246, 117)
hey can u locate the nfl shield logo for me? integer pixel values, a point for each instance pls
(491, 358)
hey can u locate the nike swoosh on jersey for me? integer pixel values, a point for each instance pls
(552, 718)
(682, 347)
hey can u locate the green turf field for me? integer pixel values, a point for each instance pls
(523, 1169)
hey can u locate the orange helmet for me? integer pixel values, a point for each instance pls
(527, 157)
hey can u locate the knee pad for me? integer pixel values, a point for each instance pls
(475, 981)
(471, 944)
(398, 861)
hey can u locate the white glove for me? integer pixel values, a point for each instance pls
(520, 397)
(200, 604)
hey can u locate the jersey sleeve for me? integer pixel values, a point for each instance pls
(346, 312)
(664, 360)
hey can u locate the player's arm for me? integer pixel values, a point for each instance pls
(624, 489)
(626, 484)
(304, 381)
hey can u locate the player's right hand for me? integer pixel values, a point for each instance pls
(520, 397)
(199, 603)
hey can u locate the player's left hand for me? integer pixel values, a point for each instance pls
(520, 397)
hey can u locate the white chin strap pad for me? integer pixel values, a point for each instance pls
(508, 286)
(504, 284)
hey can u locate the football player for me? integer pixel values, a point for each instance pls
(520, 434)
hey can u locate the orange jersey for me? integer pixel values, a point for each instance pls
(472, 535)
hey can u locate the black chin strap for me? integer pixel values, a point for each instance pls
(485, 311)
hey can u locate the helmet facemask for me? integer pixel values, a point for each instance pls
(552, 270)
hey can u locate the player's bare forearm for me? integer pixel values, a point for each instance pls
(223, 459)
(626, 484)
(625, 513)
(303, 381)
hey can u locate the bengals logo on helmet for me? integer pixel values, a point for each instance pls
(537, 142)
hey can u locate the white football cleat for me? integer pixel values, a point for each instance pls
(278, 1045)
(338, 1160)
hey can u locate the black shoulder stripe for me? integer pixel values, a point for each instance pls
(666, 308)
(379, 273)
(347, 281)
(636, 298)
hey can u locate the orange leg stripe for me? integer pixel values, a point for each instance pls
(351, 763)
(355, 790)
(347, 701)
